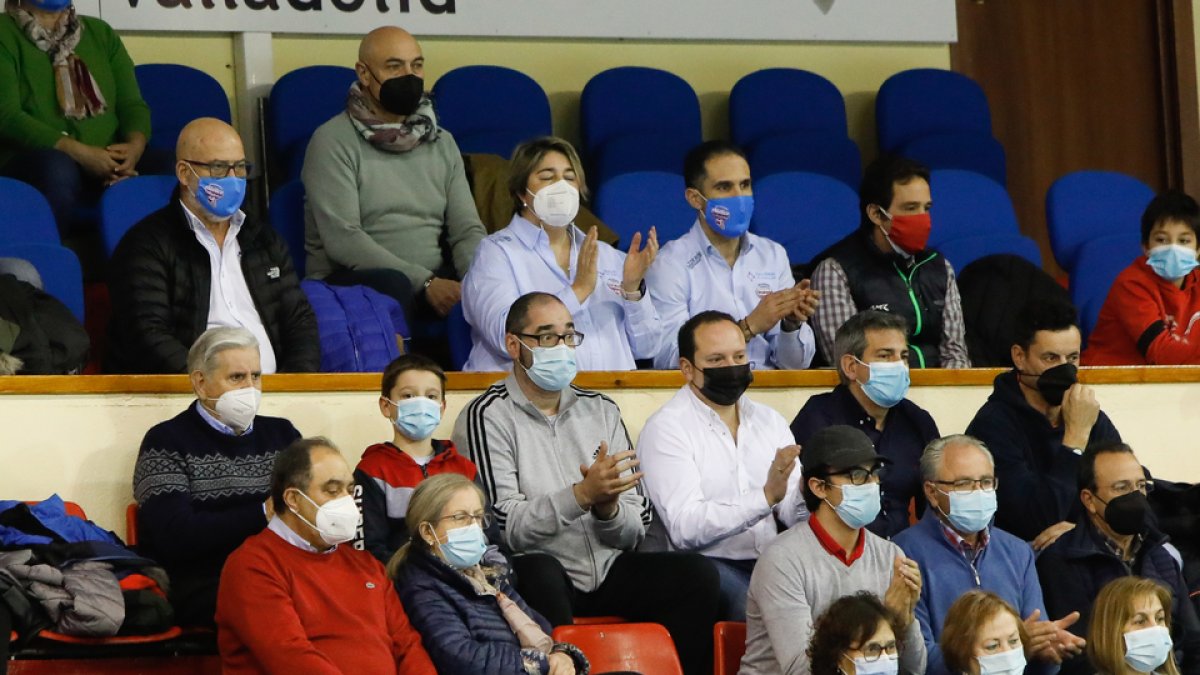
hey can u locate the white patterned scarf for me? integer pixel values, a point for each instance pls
(79, 96)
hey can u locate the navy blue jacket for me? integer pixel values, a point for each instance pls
(1038, 474)
(1075, 568)
(907, 430)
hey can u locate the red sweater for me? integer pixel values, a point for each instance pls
(281, 609)
(1146, 320)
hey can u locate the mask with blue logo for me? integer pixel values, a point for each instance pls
(222, 197)
(1172, 262)
(553, 367)
(729, 216)
(417, 417)
(860, 504)
(888, 382)
(51, 5)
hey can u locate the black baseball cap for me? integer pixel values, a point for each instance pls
(837, 447)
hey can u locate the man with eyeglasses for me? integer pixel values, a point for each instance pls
(959, 550)
(1118, 537)
(558, 468)
(201, 262)
(718, 465)
(833, 555)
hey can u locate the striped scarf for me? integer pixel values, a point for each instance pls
(78, 94)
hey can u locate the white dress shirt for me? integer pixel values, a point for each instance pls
(518, 260)
(229, 301)
(691, 276)
(707, 488)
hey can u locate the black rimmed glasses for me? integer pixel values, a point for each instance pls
(241, 169)
(859, 475)
(552, 339)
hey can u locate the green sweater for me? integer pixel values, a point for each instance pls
(30, 116)
(371, 209)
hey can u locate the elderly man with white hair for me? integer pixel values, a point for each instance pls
(202, 477)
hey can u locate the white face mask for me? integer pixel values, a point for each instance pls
(337, 519)
(556, 204)
(237, 407)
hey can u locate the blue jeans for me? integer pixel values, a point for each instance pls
(735, 584)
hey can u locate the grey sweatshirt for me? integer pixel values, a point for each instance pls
(527, 465)
(371, 209)
(794, 582)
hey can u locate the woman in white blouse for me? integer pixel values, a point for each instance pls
(542, 250)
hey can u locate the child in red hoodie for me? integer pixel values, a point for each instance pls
(412, 398)
(1153, 306)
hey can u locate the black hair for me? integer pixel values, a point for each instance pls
(811, 501)
(518, 313)
(693, 163)
(1168, 206)
(293, 467)
(687, 332)
(850, 621)
(1049, 314)
(880, 179)
(405, 363)
(1087, 462)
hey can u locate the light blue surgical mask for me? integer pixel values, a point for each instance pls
(553, 368)
(417, 417)
(1148, 648)
(464, 546)
(888, 383)
(222, 197)
(1172, 261)
(1011, 662)
(884, 665)
(860, 504)
(970, 512)
(729, 216)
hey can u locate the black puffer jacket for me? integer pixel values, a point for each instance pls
(160, 284)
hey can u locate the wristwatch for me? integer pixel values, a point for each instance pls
(746, 332)
(636, 295)
(425, 286)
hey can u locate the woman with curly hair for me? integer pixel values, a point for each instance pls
(855, 636)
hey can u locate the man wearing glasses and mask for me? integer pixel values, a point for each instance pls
(833, 555)
(1117, 536)
(200, 262)
(959, 550)
(559, 470)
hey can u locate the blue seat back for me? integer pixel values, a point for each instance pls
(830, 155)
(636, 152)
(25, 215)
(968, 151)
(968, 204)
(1084, 205)
(287, 217)
(638, 100)
(966, 250)
(635, 202)
(778, 101)
(491, 108)
(301, 101)
(927, 101)
(1098, 262)
(61, 274)
(129, 201)
(804, 212)
(178, 94)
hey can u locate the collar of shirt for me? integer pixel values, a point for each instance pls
(701, 408)
(700, 239)
(289, 535)
(962, 545)
(533, 236)
(218, 424)
(1135, 545)
(851, 409)
(566, 397)
(835, 549)
(201, 230)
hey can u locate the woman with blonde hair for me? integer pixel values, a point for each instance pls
(1130, 629)
(457, 593)
(983, 635)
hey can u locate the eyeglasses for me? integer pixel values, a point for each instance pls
(222, 169)
(463, 519)
(964, 485)
(859, 475)
(873, 650)
(1124, 487)
(552, 339)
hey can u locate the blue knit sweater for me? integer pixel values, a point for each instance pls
(1004, 567)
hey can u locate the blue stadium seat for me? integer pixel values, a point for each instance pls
(633, 100)
(637, 152)
(1084, 205)
(635, 202)
(830, 155)
(1098, 262)
(61, 274)
(287, 217)
(177, 95)
(928, 101)
(491, 108)
(781, 101)
(301, 101)
(965, 150)
(129, 201)
(967, 204)
(25, 215)
(459, 332)
(966, 250)
(804, 212)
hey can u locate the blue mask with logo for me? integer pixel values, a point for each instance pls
(221, 197)
(1172, 262)
(970, 512)
(464, 546)
(860, 504)
(553, 367)
(1011, 662)
(888, 383)
(729, 216)
(417, 417)
(51, 5)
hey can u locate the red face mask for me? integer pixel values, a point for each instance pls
(910, 233)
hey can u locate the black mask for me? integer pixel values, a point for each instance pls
(401, 95)
(1054, 382)
(1127, 514)
(726, 384)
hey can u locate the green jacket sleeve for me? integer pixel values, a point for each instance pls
(17, 127)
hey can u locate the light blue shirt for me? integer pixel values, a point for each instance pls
(218, 424)
(518, 260)
(691, 276)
